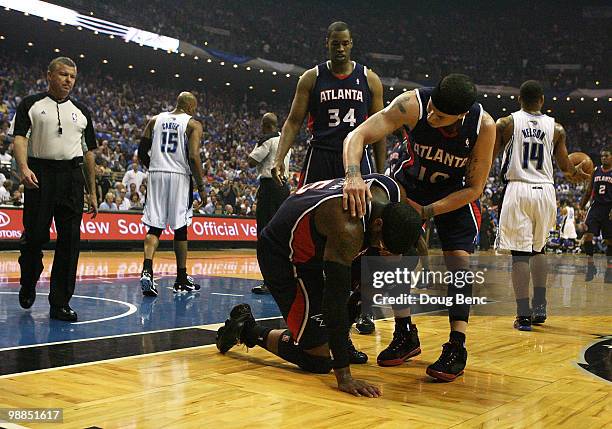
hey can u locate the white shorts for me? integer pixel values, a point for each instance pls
(528, 214)
(168, 200)
(568, 230)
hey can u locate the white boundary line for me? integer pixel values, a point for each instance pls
(131, 307)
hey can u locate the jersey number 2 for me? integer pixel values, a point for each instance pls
(334, 117)
(169, 141)
(533, 152)
(602, 189)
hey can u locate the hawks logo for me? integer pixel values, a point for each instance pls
(597, 358)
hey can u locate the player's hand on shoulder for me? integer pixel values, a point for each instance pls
(355, 194)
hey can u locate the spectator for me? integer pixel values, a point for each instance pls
(134, 175)
(109, 203)
(135, 203)
(6, 190)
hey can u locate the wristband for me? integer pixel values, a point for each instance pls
(427, 212)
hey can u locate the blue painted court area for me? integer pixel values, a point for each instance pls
(116, 307)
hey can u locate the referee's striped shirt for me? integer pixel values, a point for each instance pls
(40, 117)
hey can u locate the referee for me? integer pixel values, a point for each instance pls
(52, 132)
(269, 195)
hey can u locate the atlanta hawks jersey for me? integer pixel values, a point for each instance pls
(431, 163)
(602, 186)
(292, 234)
(528, 154)
(169, 151)
(337, 105)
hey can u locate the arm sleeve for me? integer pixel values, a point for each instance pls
(335, 311)
(22, 122)
(89, 135)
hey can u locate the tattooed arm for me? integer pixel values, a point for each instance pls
(404, 110)
(476, 174)
(504, 129)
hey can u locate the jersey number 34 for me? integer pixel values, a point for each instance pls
(334, 117)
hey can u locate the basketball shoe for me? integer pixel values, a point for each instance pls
(405, 344)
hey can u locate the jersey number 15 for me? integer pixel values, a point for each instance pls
(169, 141)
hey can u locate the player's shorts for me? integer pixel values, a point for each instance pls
(598, 220)
(323, 164)
(299, 298)
(458, 230)
(169, 200)
(528, 214)
(568, 230)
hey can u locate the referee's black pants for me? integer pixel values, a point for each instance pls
(59, 196)
(270, 196)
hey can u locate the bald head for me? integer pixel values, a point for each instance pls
(269, 122)
(187, 102)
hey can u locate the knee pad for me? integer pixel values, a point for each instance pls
(459, 312)
(180, 234)
(293, 353)
(520, 256)
(155, 231)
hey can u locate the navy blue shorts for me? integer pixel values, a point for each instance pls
(458, 229)
(299, 298)
(322, 164)
(598, 220)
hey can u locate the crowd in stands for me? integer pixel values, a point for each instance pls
(499, 44)
(231, 129)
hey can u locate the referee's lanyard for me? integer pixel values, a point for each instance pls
(59, 121)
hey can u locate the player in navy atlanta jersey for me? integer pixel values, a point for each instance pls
(446, 167)
(599, 216)
(337, 96)
(305, 255)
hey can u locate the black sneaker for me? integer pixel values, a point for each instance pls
(261, 289)
(590, 274)
(357, 357)
(522, 323)
(365, 324)
(186, 286)
(147, 284)
(230, 334)
(405, 344)
(539, 314)
(450, 364)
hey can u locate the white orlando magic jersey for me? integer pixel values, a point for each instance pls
(169, 151)
(569, 217)
(528, 155)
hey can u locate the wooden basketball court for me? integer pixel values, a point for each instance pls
(538, 379)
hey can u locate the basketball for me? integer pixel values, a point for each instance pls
(577, 157)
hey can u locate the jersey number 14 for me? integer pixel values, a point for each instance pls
(533, 152)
